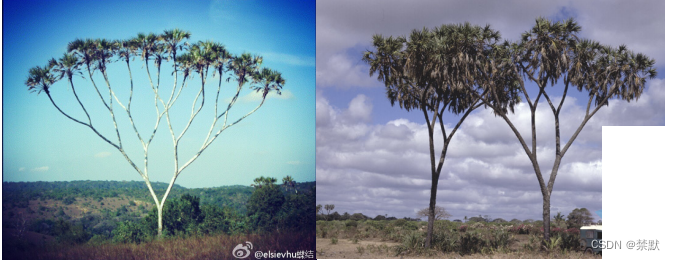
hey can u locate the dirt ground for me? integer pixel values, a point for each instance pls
(375, 249)
(347, 249)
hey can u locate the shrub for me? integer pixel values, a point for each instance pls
(360, 249)
(131, 232)
(444, 241)
(263, 206)
(409, 225)
(462, 228)
(68, 200)
(400, 222)
(500, 239)
(378, 225)
(68, 233)
(334, 240)
(569, 239)
(352, 223)
(323, 231)
(413, 241)
(470, 243)
(443, 224)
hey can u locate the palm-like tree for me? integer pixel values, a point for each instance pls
(559, 218)
(173, 40)
(244, 67)
(67, 66)
(289, 183)
(85, 50)
(40, 79)
(267, 80)
(204, 55)
(263, 181)
(148, 44)
(104, 50)
(127, 49)
(151, 47)
(434, 71)
(96, 55)
(551, 51)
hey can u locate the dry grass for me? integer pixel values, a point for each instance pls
(207, 247)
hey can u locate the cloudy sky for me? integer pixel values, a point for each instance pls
(374, 158)
(40, 144)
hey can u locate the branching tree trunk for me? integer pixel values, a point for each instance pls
(551, 52)
(197, 58)
(434, 71)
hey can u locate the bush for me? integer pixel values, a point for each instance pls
(214, 220)
(131, 232)
(470, 243)
(413, 241)
(378, 225)
(263, 206)
(500, 239)
(68, 233)
(297, 213)
(352, 223)
(462, 228)
(400, 222)
(444, 241)
(410, 225)
(68, 200)
(443, 224)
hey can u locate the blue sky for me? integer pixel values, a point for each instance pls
(40, 144)
(379, 154)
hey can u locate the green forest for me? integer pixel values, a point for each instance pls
(113, 212)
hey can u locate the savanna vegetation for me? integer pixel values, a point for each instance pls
(116, 220)
(458, 68)
(359, 236)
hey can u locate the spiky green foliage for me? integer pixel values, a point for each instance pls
(40, 79)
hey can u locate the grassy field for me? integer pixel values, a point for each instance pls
(201, 247)
(400, 238)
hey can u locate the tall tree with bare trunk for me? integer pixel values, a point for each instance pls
(435, 71)
(551, 54)
(93, 56)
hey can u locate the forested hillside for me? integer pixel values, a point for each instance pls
(90, 211)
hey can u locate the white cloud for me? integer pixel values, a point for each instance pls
(22, 169)
(341, 71)
(289, 59)
(385, 168)
(40, 169)
(349, 25)
(254, 96)
(359, 109)
(102, 154)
